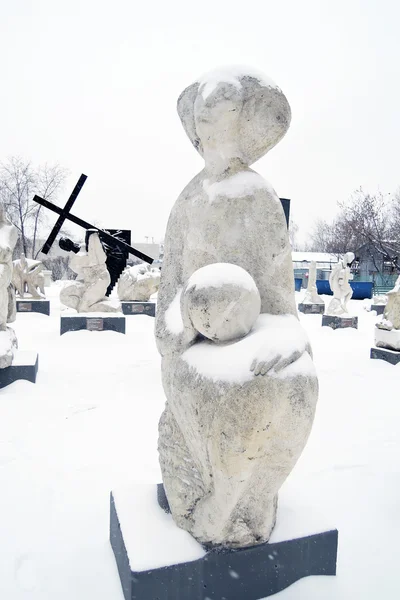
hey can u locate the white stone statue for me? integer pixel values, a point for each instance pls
(339, 281)
(138, 283)
(28, 277)
(8, 240)
(87, 293)
(387, 331)
(237, 369)
(311, 295)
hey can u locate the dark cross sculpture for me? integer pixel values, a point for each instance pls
(112, 242)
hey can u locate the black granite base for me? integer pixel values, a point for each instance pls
(95, 323)
(24, 366)
(38, 306)
(391, 356)
(311, 309)
(339, 322)
(246, 574)
(139, 308)
(379, 308)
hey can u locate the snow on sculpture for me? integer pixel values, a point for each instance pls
(87, 293)
(237, 369)
(387, 331)
(138, 283)
(8, 240)
(339, 281)
(28, 277)
(311, 295)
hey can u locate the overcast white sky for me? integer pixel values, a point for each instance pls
(93, 84)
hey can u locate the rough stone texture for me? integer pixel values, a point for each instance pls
(311, 295)
(28, 277)
(8, 239)
(87, 293)
(340, 286)
(138, 283)
(237, 414)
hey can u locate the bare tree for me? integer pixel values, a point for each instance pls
(19, 182)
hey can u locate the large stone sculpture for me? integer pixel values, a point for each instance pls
(387, 331)
(237, 369)
(8, 340)
(86, 294)
(28, 277)
(339, 281)
(138, 283)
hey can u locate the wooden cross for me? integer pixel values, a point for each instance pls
(65, 214)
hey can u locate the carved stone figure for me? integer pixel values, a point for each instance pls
(340, 286)
(237, 369)
(138, 283)
(311, 295)
(8, 340)
(87, 292)
(387, 332)
(28, 277)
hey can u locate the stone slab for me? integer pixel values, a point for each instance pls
(139, 308)
(179, 568)
(390, 340)
(96, 322)
(311, 309)
(339, 322)
(38, 306)
(379, 308)
(24, 366)
(391, 356)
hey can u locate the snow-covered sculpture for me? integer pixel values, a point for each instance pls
(237, 369)
(339, 281)
(28, 277)
(87, 293)
(311, 295)
(8, 340)
(387, 331)
(138, 283)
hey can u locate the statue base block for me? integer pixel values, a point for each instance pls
(158, 560)
(379, 308)
(311, 309)
(30, 305)
(391, 356)
(24, 366)
(139, 308)
(92, 322)
(339, 322)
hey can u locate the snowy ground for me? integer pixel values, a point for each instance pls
(89, 425)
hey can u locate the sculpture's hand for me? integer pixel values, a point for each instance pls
(277, 363)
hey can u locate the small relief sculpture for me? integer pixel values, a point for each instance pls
(28, 277)
(138, 283)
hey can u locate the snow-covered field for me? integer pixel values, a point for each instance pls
(89, 425)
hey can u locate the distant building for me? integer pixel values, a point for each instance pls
(373, 264)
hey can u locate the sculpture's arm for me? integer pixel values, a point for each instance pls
(8, 240)
(96, 254)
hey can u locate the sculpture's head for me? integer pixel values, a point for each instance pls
(234, 111)
(348, 258)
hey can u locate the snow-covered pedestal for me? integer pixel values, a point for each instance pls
(387, 345)
(33, 305)
(311, 309)
(24, 366)
(158, 560)
(139, 308)
(336, 322)
(92, 322)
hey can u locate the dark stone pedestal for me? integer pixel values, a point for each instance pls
(92, 323)
(391, 356)
(139, 308)
(38, 306)
(311, 309)
(24, 366)
(339, 322)
(219, 574)
(379, 308)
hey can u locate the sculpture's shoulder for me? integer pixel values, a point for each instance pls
(244, 184)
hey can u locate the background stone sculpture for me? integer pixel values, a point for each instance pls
(340, 286)
(8, 240)
(28, 277)
(138, 283)
(87, 293)
(311, 295)
(241, 387)
(387, 331)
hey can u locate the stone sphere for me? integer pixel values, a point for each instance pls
(222, 301)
